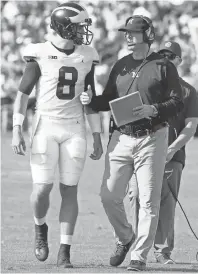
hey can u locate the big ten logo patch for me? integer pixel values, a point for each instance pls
(52, 57)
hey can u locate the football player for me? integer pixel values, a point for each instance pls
(61, 69)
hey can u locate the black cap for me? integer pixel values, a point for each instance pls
(136, 23)
(172, 47)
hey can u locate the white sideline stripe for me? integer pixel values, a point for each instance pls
(69, 8)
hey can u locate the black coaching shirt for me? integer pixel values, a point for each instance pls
(157, 81)
(177, 124)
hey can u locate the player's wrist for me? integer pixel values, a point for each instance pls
(17, 129)
(94, 122)
(18, 120)
(96, 135)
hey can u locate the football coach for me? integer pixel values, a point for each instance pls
(139, 146)
(181, 130)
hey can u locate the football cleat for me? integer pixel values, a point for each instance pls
(41, 249)
(63, 260)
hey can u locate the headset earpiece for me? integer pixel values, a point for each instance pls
(149, 34)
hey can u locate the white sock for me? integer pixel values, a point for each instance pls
(66, 239)
(39, 221)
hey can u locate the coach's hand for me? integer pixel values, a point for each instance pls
(97, 146)
(18, 142)
(86, 96)
(144, 111)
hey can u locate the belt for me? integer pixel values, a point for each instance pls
(139, 130)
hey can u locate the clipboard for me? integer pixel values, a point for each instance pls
(121, 108)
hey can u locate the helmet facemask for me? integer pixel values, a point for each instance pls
(87, 34)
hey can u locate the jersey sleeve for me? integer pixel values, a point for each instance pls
(30, 52)
(30, 77)
(96, 59)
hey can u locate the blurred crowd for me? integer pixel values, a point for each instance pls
(24, 22)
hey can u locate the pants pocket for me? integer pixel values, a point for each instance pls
(39, 150)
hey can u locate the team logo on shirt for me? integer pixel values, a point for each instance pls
(134, 75)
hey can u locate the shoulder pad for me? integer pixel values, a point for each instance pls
(30, 52)
(91, 53)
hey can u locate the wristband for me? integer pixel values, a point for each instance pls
(94, 122)
(18, 119)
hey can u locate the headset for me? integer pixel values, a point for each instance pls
(148, 34)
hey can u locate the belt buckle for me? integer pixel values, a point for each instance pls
(136, 129)
(127, 130)
(140, 133)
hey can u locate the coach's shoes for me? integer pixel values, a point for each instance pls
(120, 253)
(41, 249)
(164, 258)
(63, 260)
(136, 265)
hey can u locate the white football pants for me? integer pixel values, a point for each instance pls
(58, 142)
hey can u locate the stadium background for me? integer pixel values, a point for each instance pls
(24, 22)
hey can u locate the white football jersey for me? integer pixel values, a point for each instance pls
(62, 78)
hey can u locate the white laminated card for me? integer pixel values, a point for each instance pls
(121, 108)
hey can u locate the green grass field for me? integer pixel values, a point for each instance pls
(93, 240)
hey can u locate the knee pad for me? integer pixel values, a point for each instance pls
(73, 155)
(70, 179)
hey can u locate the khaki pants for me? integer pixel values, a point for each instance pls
(146, 156)
(164, 239)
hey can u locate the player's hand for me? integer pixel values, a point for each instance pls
(97, 147)
(170, 154)
(144, 111)
(86, 96)
(18, 142)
